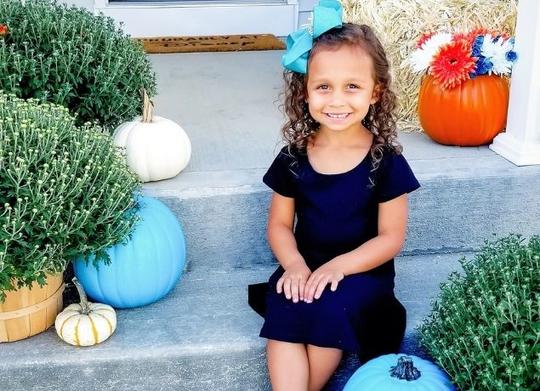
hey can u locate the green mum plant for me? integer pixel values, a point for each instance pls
(484, 329)
(65, 190)
(73, 58)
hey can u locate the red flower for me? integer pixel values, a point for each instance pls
(467, 38)
(452, 64)
(3, 30)
(424, 38)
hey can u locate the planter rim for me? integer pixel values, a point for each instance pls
(19, 313)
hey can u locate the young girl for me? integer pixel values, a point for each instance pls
(343, 177)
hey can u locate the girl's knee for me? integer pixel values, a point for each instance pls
(322, 364)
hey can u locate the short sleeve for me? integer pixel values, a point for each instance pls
(279, 176)
(395, 178)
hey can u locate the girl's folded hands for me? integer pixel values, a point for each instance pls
(298, 283)
(293, 281)
(329, 273)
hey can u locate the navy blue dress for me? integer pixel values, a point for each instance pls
(336, 213)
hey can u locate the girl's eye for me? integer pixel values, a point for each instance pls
(353, 86)
(322, 87)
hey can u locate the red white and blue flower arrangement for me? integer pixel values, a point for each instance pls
(454, 58)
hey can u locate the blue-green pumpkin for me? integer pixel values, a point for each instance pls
(399, 372)
(144, 269)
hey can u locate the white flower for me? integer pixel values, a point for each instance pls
(495, 50)
(422, 57)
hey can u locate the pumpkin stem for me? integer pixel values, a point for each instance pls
(147, 107)
(82, 295)
(405, 370)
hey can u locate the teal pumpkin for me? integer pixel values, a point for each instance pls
(399, 372)
(144, 269)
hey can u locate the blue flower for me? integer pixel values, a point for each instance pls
(477, 46)
(483, 66)
(511, 56)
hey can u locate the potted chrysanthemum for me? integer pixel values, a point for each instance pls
(65, 190)
(484, 326)
(69, 56)
(463, 98)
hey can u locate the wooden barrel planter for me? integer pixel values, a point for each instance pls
(27, 312)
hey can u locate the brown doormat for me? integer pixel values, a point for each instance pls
(219, 43)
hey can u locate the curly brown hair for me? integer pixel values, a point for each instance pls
(380, 120)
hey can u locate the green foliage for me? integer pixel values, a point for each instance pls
(73, 58)
(64, 190)
(484, 329)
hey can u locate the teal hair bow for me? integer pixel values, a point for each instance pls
(326, 16)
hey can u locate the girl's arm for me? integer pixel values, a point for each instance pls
(283, 244)
(387, 244)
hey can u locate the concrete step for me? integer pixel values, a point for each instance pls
(467, 195)
(202, 336)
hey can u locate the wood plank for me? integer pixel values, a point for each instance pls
(220, 43)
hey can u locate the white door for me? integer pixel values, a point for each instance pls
(159, 18)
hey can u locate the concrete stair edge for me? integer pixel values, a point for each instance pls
(228, 231)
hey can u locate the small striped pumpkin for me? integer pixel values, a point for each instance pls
(85, 324)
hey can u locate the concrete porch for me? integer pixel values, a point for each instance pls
(203, 335)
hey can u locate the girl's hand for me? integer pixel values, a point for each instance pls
(293, 281)
(328, 273)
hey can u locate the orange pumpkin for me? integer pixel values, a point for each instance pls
(468, 115)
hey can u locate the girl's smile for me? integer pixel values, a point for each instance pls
(334, 120)
(338, 115)
(340, 88)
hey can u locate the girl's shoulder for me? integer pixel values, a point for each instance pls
(288, 152)
(391, 155)
(395, 176)
(280, 174)
(288, 157)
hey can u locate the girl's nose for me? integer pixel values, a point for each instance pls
(337, 99)
(337, 103)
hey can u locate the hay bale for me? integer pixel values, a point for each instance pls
(398, 23)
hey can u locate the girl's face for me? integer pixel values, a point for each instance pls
(340, 87)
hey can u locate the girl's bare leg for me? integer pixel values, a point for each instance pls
(322, 364)
(288, 365)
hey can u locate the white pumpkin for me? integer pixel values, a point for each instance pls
(85, 324)
(156, 148)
